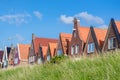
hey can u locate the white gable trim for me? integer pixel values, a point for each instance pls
(18, 51)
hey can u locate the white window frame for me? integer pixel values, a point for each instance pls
(72, 50)
(111, 43)
(91, 48)
(76, 48)
(48, 57)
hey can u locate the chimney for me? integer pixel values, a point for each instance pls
(76, 23)
(33, 36)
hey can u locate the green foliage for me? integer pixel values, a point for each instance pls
(103, 67)
(58, 59)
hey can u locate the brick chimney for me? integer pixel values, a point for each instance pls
(33, 36)
(76, 23)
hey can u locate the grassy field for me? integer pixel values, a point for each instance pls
(106, 67)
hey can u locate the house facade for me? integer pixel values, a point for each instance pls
(79, 37)
(112, 39)
(13, 56)
(95, 40)
(23, 51)
(63, 44)
(6, 57)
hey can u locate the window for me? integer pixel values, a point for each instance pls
(39, 61)
(33, 58)
(59, 52)
(72, 50)
(74, 34)
(111, 43)
(16, 61)
(91, 47)
(48, 57)
(76, 48)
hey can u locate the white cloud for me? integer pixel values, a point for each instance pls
(15, 18)
(66, 20)
(90, 17)
(37, 14)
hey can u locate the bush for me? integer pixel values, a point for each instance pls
(58, 59)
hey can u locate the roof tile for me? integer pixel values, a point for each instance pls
(118, 25)
(64, 38)
(24, 51)
(83, 32)
(43, 42)
(100, 35)
(52, 48)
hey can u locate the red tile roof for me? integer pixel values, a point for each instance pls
(23, 51)
(118, 25)
(1, 55)
(100, 35)
(44, 51)
(83, 32)
(43, 42)
(64, 37)
(52, 47)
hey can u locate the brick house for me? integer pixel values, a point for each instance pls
(13, 56)
(95, 40)
(63, 44)
(79, 37)
(38, 49)
(112, 39)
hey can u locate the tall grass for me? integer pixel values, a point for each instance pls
(103, 67)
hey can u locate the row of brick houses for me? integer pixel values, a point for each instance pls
(12, 56)
(89, 40)
(82, 41)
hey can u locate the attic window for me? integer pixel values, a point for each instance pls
(90, 47)
(111, 43)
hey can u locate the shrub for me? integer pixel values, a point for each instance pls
(58, 59)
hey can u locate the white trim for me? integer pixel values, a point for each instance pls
(72, 50)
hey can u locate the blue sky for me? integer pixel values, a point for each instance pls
(47, 18)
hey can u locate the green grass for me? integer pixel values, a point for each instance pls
(104, 67)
